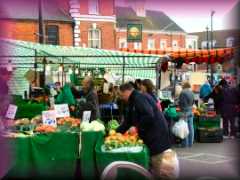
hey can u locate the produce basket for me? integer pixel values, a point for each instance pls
(104, 158)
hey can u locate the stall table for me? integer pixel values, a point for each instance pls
(52, 155)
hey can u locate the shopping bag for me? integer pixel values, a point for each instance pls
(170, 165)
(180, 129)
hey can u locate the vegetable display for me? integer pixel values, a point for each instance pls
(45, 129)
(93, 126)
(73, 122)
(112, 125)
(117, 140)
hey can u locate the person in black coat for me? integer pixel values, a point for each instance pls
(149, 121)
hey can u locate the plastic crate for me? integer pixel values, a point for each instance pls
(210, 135)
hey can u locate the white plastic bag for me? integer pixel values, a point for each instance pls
(170, 165)
(180, 129)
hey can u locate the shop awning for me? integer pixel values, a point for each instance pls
(187, 55)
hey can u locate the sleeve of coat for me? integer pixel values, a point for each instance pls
(124, 126)
(91, 103)
(145, 110)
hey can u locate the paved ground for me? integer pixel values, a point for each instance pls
(216, 160)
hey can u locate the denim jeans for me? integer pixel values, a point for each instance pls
(188, 141)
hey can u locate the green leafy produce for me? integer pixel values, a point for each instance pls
(112, 125)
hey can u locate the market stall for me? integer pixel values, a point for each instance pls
(206, 121)
(39, 140)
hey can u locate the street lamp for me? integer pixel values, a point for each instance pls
(207, 30)
(212, 13)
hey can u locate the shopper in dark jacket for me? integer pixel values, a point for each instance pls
(150, 122)
(89, 100)
(228, 110)
(143, 113)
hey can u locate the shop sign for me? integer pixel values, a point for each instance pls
(134, 32)
(49, 118)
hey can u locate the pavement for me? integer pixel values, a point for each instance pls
(210, 161)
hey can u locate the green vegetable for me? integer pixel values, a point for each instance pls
(112, 125)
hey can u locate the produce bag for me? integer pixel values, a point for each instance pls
(65, 96)
(168, 163)
(180, 129)
(171, 112)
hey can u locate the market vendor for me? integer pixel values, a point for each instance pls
(152, 129)
(89, 100)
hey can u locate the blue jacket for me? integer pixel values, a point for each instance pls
(205, 90)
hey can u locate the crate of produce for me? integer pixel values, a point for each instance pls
(209, 121)
(210, 135)
(105, 155)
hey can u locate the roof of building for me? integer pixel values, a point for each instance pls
(28, 10)
(154, 20)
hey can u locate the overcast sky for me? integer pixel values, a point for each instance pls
(191, 15)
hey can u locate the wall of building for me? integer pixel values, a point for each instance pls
(27, 30)
(107, 33)
(180, 38)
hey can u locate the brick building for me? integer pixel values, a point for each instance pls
(221, 38)
(90, 23)
(159, 31)
(20, 21)
(95, 23)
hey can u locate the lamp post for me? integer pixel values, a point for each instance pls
(40, 23)
(207, 31)
(212, 13)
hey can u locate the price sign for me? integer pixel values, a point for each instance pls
(62, 110)
(86, 116)
(49, 118)
(11, 112)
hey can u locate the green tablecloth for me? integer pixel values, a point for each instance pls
(103, 159)
(45, 156)
(87, 156)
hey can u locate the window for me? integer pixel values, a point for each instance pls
(122, 43)
(229, 42)
(52, 34)
(137, 45)
(194, 44)
(204, 44)
(93, 7)
(94, 38)
(163, 44)
(175, 44)
(151, 44)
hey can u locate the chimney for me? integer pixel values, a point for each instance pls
(138, 6)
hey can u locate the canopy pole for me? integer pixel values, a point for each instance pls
(123, 73)
(175, 79)
(158, 76)
(44, 71)
(62, 71)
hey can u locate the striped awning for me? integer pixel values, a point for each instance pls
(76, 55)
